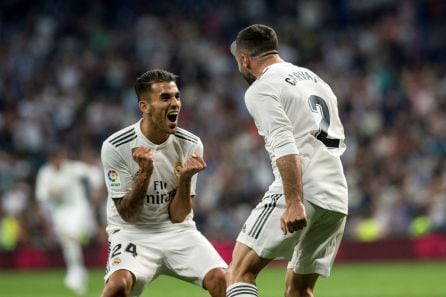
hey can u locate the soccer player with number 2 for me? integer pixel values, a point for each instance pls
(302, 215)
(151, 171)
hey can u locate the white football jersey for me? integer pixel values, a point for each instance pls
(67, 182)
(63, 192)
(296, 112)
(120, 170)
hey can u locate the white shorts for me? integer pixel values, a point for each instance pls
(184, 254)
(311, 250)
(77, 222)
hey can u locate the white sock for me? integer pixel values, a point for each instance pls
(241, 290)
(76, 277)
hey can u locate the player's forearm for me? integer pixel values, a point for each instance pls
(291, 172)
(131, 205)
(181, 204)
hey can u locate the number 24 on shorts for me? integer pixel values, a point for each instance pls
(116, 250)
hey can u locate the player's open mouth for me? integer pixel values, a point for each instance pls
(172, 117)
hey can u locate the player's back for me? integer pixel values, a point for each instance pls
(308, 102)
(311, 108)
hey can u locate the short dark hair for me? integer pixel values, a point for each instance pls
(145, 81)
(257, 40)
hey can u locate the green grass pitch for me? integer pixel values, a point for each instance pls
(391, 279)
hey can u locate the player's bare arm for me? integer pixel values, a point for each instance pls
(294, 218)
(181, 204)
(132, 204)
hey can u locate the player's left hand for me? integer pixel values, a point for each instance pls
(294, 218)
(192, 166)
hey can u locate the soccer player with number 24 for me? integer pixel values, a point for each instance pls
(151, 171)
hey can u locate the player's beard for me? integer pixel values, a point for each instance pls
(160, 123)
(248, 76)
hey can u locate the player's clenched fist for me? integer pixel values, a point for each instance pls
(193, 165)
(144, 157)
(294, 218)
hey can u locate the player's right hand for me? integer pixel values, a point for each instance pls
(144, 157)
(294, 218)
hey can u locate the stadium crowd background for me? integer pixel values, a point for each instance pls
(67, 70)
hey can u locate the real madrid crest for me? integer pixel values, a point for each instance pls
(116, 261)
(178, 166)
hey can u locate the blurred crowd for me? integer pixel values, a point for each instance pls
(67, 70)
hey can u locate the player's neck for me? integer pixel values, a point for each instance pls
(152, 134)
(262, 64)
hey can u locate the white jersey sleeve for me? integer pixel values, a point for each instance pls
(273, 123)
(118, 177)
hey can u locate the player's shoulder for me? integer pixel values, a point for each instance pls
(75, 165)
(277, 71)
(45, 168)
(121, 137)
(71, 162)
(271, 78)
(187, 137)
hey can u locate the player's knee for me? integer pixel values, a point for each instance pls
(118, 285)
(215, 282)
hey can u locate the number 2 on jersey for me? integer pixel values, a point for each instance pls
(318, 105)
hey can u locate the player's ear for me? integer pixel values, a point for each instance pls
(143, 106)
(246, 61)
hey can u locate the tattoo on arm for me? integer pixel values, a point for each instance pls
(131, 205)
